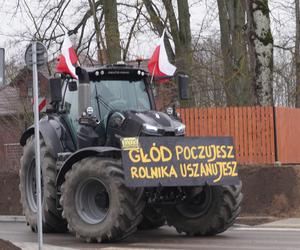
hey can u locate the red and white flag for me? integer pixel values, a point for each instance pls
(159, 64)
(67, 59)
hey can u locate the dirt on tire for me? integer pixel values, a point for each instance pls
(6, 245)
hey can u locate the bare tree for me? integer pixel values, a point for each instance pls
(94, 21)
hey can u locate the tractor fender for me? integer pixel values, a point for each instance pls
(50, 130)
(84, 153)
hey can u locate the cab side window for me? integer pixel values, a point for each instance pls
(71, 106)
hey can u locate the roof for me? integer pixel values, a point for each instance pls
(128, 65)
(22, 74)
(10, 102)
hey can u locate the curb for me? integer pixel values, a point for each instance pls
(255, 220)
(30, 246)
(283, 223)
(12, 218)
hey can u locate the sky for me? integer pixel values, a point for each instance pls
(204, 21)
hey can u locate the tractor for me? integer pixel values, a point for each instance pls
(84, 189)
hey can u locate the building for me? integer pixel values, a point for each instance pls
(12, 113)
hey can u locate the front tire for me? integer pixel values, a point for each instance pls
(211, 211)
(52, 219)
(97, 204)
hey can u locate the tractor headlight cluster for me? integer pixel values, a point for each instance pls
(154, 130)
(89, 110)
(180, 130)
(150, 129)
(140, 72)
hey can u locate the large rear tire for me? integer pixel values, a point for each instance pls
(52, 219)
(211, 211)
(97, 204)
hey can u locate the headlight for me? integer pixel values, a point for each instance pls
(169, 111)
(150, 129)
(89, 110)
(180, 130)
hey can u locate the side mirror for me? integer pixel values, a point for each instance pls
(55, 90)
(116, 120)
(183, 85)
(72, 85)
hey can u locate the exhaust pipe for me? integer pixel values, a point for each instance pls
(84, 92)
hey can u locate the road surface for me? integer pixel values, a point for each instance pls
(238, 237)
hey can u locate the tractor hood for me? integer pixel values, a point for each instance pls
(153, 123)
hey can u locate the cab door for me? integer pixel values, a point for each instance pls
(70, 106)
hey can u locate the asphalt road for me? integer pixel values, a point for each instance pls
(239, 238)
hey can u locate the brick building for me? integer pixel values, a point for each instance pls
(11, 126)
(16, 115)
(23, 82)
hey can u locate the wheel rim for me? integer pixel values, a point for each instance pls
(197, 203)
(92, 200)
(30, 187)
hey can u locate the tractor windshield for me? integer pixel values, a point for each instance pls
(110, 95)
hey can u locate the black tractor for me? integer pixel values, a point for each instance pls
(83, 185)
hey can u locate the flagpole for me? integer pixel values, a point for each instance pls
(152, 76)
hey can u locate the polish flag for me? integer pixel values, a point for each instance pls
(159, 64)
(67, 59)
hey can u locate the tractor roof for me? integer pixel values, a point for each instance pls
(116, 71)
(118, 66)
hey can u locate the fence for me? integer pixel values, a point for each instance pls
(262, 135)
(288, 135)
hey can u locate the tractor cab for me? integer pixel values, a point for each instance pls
(111, 102)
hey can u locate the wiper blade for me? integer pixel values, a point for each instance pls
(106, 105)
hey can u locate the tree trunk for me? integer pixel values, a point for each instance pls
(158, 26)
(181, 34)
(226, 51)
(97, 29)
(261, 45)
(237, 83)
(112, 34)
(184, 59)
(243, 87)
(297, 53)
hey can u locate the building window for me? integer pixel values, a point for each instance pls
(29, 91)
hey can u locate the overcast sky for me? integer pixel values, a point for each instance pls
(202, 13)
